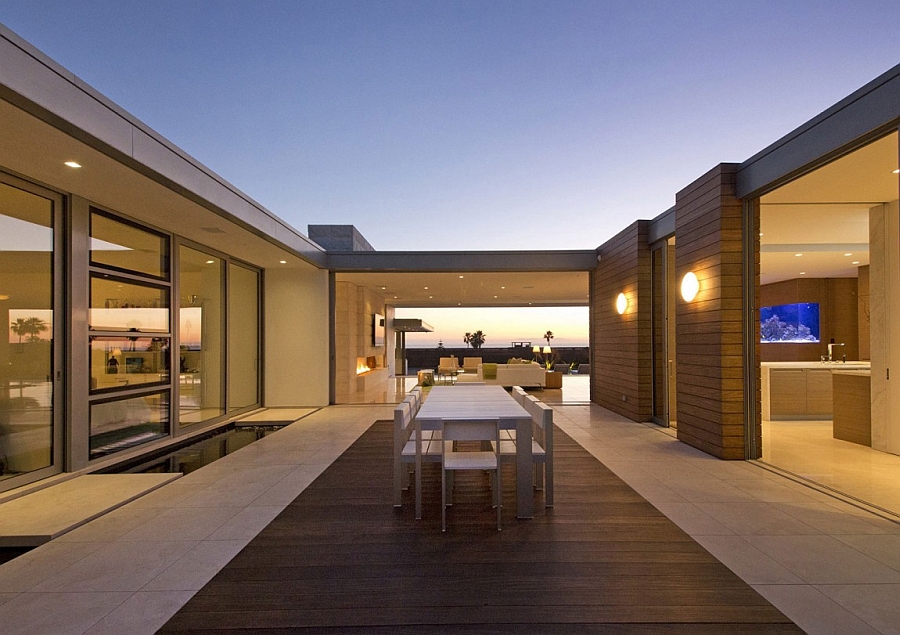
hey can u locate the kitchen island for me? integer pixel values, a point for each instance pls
(800, 390)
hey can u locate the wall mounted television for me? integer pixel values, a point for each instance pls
(378, 330)
(789, 323)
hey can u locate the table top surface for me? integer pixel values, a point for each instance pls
(469, 402)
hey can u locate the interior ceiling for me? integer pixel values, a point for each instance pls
(824, 215)
(476, 289)
(32, 147)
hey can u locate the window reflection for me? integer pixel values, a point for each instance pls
(117, 305)
(200, 342)
(128, 361)
(26, 354)
(124, 423)
(117, 244)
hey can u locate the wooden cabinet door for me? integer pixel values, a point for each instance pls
(787, 393)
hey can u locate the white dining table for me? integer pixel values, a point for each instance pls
(463, 402)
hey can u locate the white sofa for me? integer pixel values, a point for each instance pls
(511, 375)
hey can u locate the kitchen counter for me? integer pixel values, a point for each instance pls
(801, 390)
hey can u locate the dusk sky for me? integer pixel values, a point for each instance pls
(467, 125)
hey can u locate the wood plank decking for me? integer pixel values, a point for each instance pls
(340, 559)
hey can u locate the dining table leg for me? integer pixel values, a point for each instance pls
(524, 495)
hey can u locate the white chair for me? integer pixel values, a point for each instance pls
(448, 367)
(541, 446)
(453, 460)
(518, 393)
(405, 452)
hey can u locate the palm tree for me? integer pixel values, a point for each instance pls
(548, 336)
(20, 328)
(476, 339)
(35, 326)
(467, 338)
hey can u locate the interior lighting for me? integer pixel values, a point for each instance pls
(535, 349)
(848, 254)
(621, 303)
(461, 277)
(690, 286)
(798, 255)
(283, 262)
(896, 171)
(855, 262)
(73, 164)
(210, 262)
(802, 273)
(546, 350)
(426, 288)
(4, 297)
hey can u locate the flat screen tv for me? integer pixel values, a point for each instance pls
(789, 323)
(378, 330)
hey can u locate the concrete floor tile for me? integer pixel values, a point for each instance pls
(247, 523)
(829, 519)
(42, 564)
(117, 566)
(692, 519)
(757, 519)
(197, 567)
(824, 560)
(876, 604)
(182, 523)
(885, 548)
(57, 613)
(111, 526)
(813, 611)
(748, 562)
(143, 612)
(7, 597)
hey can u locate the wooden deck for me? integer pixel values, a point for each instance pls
(341, 559)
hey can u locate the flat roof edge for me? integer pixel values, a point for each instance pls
(444, 261)
(865, 114)
(170, 166)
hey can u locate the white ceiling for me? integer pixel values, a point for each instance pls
(476, 289)
(824, 215)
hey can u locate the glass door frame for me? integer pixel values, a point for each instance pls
(180, 429)
(60, 324)
(260, 335)
(664, 276)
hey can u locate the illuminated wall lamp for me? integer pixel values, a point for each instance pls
(621, 303)
(689, 286)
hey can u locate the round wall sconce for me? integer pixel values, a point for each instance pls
(689, 286)
(621, 303)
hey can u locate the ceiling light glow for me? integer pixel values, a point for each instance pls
(73, 164)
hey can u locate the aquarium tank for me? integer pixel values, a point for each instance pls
(794, 323)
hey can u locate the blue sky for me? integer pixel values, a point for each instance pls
(466, 125)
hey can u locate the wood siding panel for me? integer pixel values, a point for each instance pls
(621, 377)
(710, 339)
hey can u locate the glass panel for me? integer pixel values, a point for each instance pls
(658, 319)
(128, 248)
(201, 340)
(119, 425)
(243, 337)
(26, 303)
(117, 305)
(128, 361)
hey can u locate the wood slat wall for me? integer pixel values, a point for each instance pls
(621, 374)
(709, 330)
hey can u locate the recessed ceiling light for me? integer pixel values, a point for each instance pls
(461, 277)
(4, 297)
(855, 262)
(495, 297)
(73, 164)
(802, 273)
(502, 287)
(798, 255)
(426, 288)
(760, 233)
(431, 297)
(283, 262)
(896, 171)
(209, 262)
(848, 254)
(395, 297)
(383, 288)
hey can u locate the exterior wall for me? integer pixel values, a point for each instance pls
(709, 330)
(354, 307)
(621, 345)
(296, 336)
